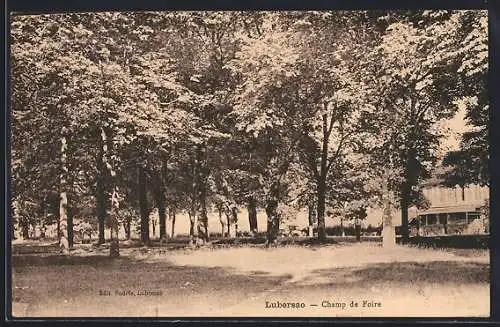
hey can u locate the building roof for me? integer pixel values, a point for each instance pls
(455, 208)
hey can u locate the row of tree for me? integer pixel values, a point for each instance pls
(200, 111)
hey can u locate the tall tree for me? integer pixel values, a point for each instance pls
(419, 82)
(470, 163)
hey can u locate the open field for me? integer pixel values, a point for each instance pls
(237, 281)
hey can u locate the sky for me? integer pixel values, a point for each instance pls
(457, 126)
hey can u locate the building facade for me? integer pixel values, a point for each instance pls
(451, 211)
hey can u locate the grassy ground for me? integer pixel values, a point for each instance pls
(237, 281)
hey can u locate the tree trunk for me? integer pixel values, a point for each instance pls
(221, 219)
(63, 198)
(234, 219)
(321, 211)
(202, 188)
(252, 216)
(172, 215)
(101, 196)
(405, 199)
(101, 211)
(194, 197)
(203, 217)
(311, 218)
(63, 222)
(357, 229)
(12, 231)
(192, 221)
(321, 181)
(25, 227)
(162, 213)
(70, 227)
(58, 222)
(42, 231)
(388, 232)
(272, 221)
(160, 203)
(107, 147)
(463, 193)
(143, 204)
(202, 227)
(126, 227)
(228, 217)
(114, 247)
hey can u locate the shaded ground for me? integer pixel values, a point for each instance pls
(238, 282)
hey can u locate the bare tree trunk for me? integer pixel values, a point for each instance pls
(321, 189)
(228, 217)
(405, 200)
(101, 195)
(42, 231)
(70, 227)
(143, 204)
(202, 187)
(58, 226)
(126, 227)
(388, 232)
(312, 218)
(192, 222)
(160, 203)
(172, 215)
(25, 228)
(321, 210)
(114, 247)
(272, 221)
(221, 219)
(162, 215)
(194, 197)
(202, 227)
(357, 230)
(203, 218)
(12, 228)
(101, 209)
(63, 198)
(234, 220)
(43, 213)
(252, 216)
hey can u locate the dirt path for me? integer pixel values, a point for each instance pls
(399, 282)
(328, 280)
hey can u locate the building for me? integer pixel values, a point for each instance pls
(451, 210)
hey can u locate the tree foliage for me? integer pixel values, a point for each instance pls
(201, 111)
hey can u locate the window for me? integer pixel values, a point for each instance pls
(456, 217)
(421, 220)
(442, 218)
(431, 219)
(472, 215)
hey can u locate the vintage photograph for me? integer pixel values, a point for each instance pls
(250, 164)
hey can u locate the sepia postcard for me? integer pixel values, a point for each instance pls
(249, 164)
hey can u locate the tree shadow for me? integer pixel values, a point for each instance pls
(50, 259)
(71, 284)
(32, 248)
(401, 273)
